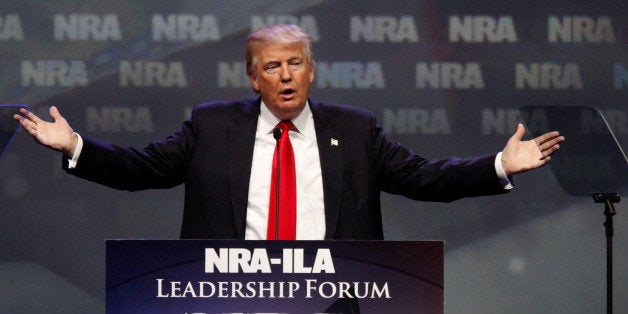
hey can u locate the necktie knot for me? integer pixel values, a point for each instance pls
(285, 125)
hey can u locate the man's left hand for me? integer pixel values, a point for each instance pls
(520, 156)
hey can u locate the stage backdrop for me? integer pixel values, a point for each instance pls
(445, 78)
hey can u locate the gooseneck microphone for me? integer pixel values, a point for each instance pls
(277, 135)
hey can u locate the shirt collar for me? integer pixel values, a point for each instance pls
(270, 121)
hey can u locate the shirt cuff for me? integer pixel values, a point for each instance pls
(77, 152)
(505, 181)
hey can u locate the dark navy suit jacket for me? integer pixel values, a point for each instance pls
(212, 153)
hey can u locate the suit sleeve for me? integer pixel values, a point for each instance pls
(158, 165)
(403, 172)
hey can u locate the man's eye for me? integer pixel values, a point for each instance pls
(271, 68)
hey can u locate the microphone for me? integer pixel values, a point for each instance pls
(277, 135)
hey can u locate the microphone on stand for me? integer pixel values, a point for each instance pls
(277, 135)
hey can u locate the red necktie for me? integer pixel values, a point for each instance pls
(287, 189)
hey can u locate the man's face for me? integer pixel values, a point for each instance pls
(283, 76)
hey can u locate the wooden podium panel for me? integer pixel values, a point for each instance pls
(233, 276)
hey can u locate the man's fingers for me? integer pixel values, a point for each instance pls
(549, 148)
(54, 113)
(552, 149)
(31, 116)
(29, 121)
(549, 136)
(520, 132)
(26, 123)
(18, 117)
(551, 143)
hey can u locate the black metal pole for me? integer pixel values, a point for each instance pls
(609, 211)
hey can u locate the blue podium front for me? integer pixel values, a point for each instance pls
(235, 276)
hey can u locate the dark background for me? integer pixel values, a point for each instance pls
(536, 249)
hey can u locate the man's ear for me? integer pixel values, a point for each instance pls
(312, 71)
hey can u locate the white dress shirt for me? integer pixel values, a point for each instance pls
(310, 202)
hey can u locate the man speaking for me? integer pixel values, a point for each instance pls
(283, 166)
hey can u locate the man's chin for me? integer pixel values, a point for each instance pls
(289, 111)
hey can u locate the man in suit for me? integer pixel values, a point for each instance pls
(224, 155)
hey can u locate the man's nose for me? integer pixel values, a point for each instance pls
(285, 74)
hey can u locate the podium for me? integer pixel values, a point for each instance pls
(237, 276)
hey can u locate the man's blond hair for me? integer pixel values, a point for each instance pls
(280, 33)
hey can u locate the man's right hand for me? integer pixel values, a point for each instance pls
(57, 135)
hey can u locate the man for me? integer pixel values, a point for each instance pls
(224, 156)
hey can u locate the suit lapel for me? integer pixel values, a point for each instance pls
(330, 149)
(240, 143)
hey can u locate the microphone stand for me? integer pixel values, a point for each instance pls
(609, 211)
(277, 135)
